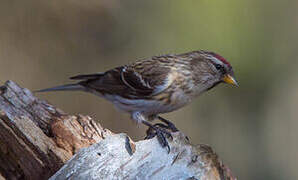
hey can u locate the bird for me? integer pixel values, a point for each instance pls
(152, 86)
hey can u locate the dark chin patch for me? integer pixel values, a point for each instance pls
(215, 84)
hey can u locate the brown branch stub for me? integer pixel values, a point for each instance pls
(72, 133)
(36, 139)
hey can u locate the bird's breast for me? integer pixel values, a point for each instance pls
(162, 103)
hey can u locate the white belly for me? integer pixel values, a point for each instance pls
(149, 107)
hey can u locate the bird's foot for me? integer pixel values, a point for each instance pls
(160, 132)
(171, 126)
(151, 131)
(167, 126)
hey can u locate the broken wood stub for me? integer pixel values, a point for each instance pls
(36, 138)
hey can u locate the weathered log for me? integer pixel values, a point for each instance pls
(37, 139)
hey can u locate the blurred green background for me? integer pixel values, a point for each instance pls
(253, 128)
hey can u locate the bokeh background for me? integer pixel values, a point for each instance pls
(253, 128)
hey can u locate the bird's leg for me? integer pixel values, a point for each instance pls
(153, 131)
(160, 133)
(169, 124)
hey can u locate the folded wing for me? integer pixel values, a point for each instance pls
(128, 81)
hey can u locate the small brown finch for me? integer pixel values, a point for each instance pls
(161, 84)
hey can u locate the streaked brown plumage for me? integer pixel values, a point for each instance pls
(161, 84)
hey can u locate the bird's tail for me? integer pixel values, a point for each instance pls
(66, 87)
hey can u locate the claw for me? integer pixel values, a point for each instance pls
(170, 126)
(150, 133)
(160, 132)
(162, 140)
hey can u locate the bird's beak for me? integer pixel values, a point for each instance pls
(230, 80)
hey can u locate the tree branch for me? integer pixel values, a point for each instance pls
(37, 139)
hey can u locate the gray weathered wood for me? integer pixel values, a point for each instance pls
(112, 159)
(36, 139)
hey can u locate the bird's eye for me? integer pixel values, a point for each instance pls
(218, 66)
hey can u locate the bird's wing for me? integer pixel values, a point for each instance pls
(129, 81)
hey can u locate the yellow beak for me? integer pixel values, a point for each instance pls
(230, 80)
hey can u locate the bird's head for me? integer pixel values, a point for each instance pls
(212, 69)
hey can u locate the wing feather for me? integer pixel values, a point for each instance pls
(130, 81)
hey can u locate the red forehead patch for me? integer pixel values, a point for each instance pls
(222, 59)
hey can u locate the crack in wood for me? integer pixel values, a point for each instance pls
(157, 171)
